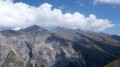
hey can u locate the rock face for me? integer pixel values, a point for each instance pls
(37, 47)
(115, 63)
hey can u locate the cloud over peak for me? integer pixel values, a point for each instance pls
(21, 15)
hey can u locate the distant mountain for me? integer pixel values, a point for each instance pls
(61, 47)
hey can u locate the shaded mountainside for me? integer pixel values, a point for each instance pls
(37, 47)
(115, 63)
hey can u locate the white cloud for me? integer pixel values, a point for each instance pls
(107, 1)
(62, 7)
(80, 3)
(16, 28)
(21, 15)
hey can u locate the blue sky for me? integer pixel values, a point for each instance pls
(102, 10)
(109, 11)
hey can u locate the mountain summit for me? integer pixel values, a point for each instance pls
(32, 29)
(37, 47)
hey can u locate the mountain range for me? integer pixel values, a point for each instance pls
(35, 46)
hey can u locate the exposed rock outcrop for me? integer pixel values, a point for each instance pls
(37, 47)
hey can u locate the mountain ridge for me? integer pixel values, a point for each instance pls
(35, 46)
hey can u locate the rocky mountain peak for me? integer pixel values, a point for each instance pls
(33, 29)
(35, 46)
(9, 32)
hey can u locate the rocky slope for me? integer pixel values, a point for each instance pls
(115, 63)
(37, 47)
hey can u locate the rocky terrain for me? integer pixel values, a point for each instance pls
(61, 47)
(115, 63)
